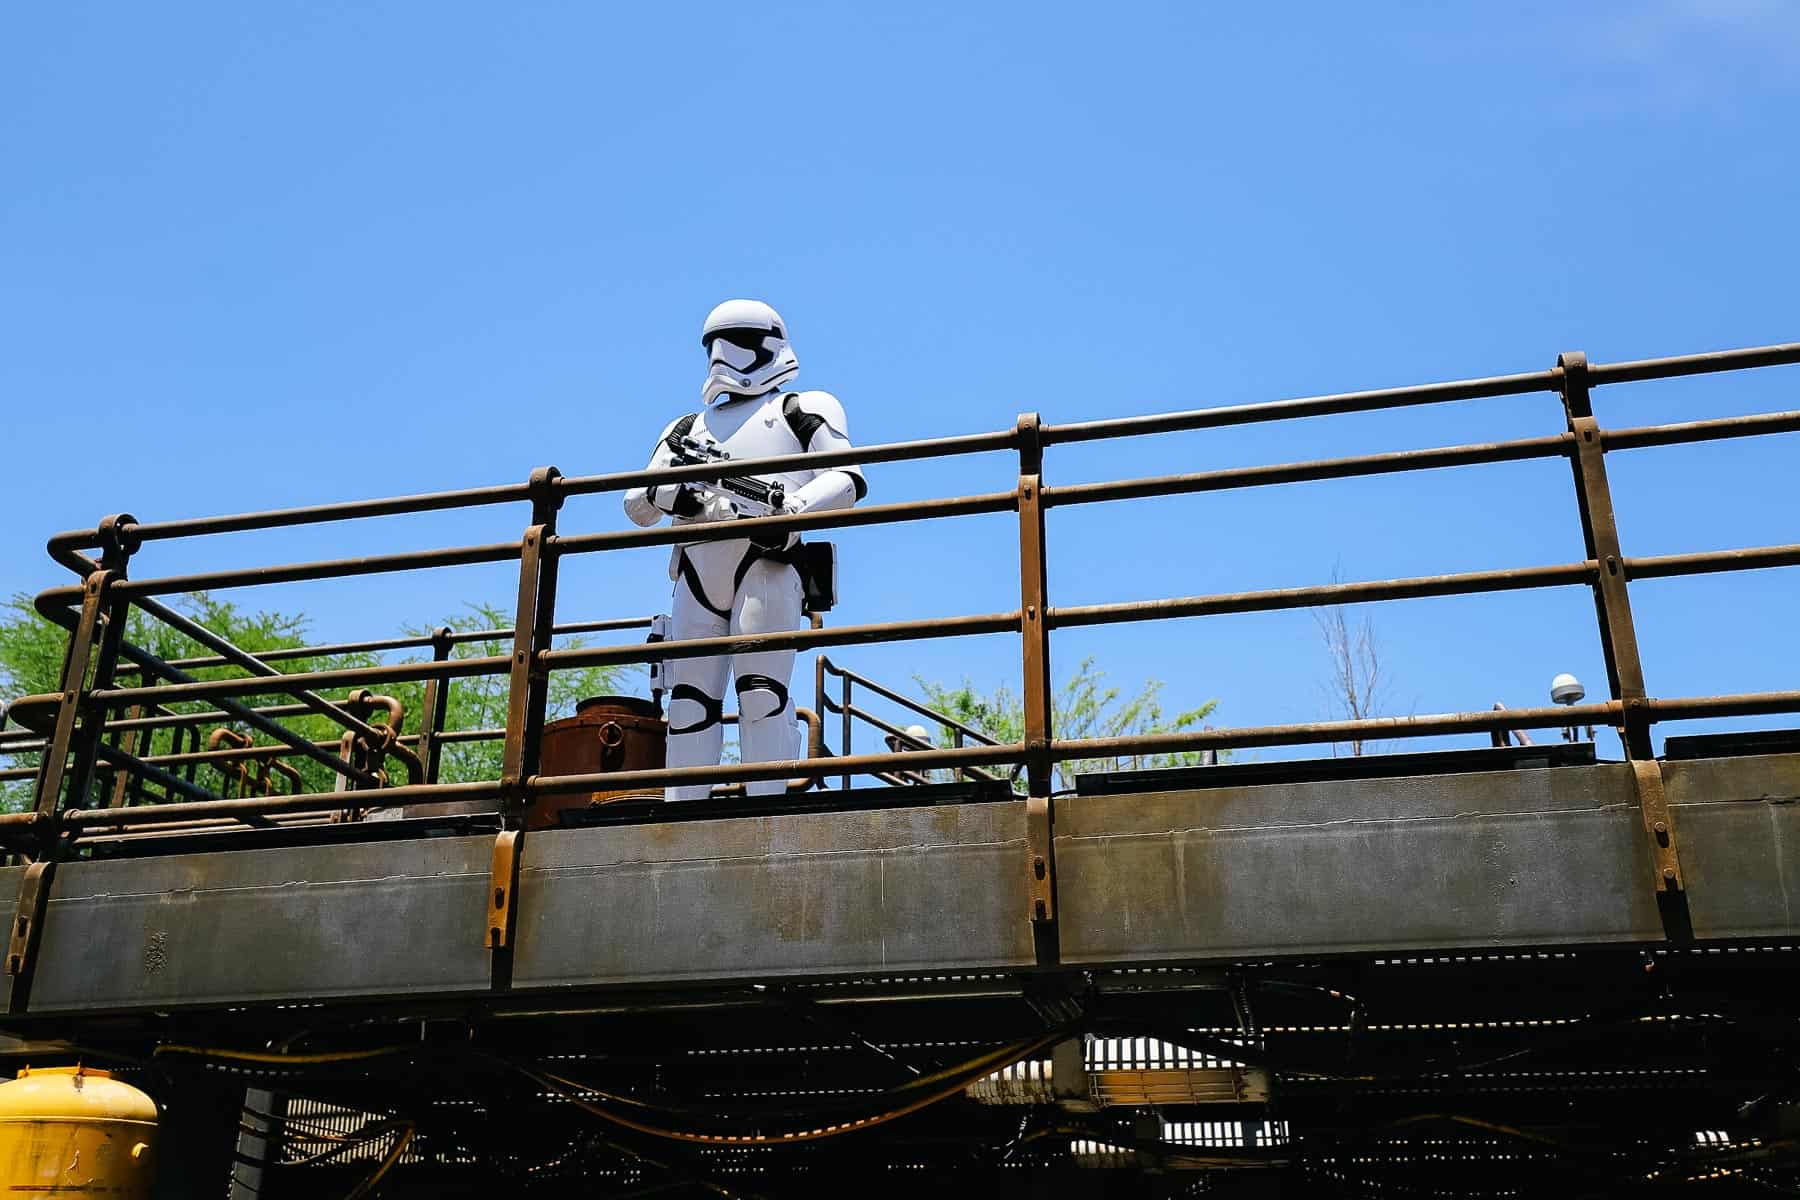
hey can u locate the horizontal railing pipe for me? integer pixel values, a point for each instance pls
(1748, 558)
(103, 836)
(1685, 432)
(228, 754)
(258, 752)
(795, 639)
(257, 806)
(218, 689)
(278, 750)
(1309, 406)
(1324, 732)
(252, 753)
(1746, 704)
(587, 656)
(575, 544)
(346, 510)
(63, 546)
(747, 527)
(813, 768)
(451, 736)
(1300, 472)
(944, 447)
(541, 785)
(414, 641)
(1468, 583)
(213, 716)
(341, 568)
(1694, 364)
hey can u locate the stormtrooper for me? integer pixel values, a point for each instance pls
(740, 586)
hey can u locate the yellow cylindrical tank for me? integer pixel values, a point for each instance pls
(75, 1132)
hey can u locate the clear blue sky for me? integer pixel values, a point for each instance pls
(277, 254)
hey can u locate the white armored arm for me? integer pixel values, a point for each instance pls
(641, 503)
(821, 426)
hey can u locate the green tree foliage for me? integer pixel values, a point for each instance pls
(1085, 706)
(479, 701)
(31, 661)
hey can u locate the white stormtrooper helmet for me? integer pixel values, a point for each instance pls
(746, 343)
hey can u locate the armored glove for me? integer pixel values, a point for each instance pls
(777, 539)
(693, 504)
(678, 500)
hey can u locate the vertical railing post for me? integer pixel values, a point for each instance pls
(74, 742)
(1034, 629)
(188, 735)
(435, 707)
(528, 695)
(75, 738)
(1618, 637)
(845, 710)
(125, 785)
(1600, 529)
(56, 772)
(1034, 622)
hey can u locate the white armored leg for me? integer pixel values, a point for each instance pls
(768, 601)
(696, 691)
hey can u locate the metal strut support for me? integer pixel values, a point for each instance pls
(501, 912)
(74, 744)
(1618, 639)
(534, 625)
(1034, 628)
(1040, 878)
(1659, 823)
(27, 928)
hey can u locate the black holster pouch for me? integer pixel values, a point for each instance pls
(817, 564)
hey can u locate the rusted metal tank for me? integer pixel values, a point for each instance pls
(607, 733)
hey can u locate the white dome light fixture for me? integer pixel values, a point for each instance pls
(1566, 690)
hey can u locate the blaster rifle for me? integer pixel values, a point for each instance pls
(762, 497)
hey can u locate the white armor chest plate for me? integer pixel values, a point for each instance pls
(753, 428)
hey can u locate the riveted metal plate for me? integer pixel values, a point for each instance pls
(304, 923)
(908, 889)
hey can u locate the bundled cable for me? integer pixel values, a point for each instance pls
(912, 1096)
(279, 1059)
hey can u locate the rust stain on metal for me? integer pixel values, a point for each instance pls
(156, 952)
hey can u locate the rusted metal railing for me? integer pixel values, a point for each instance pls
(844, 705)
(106, 678)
